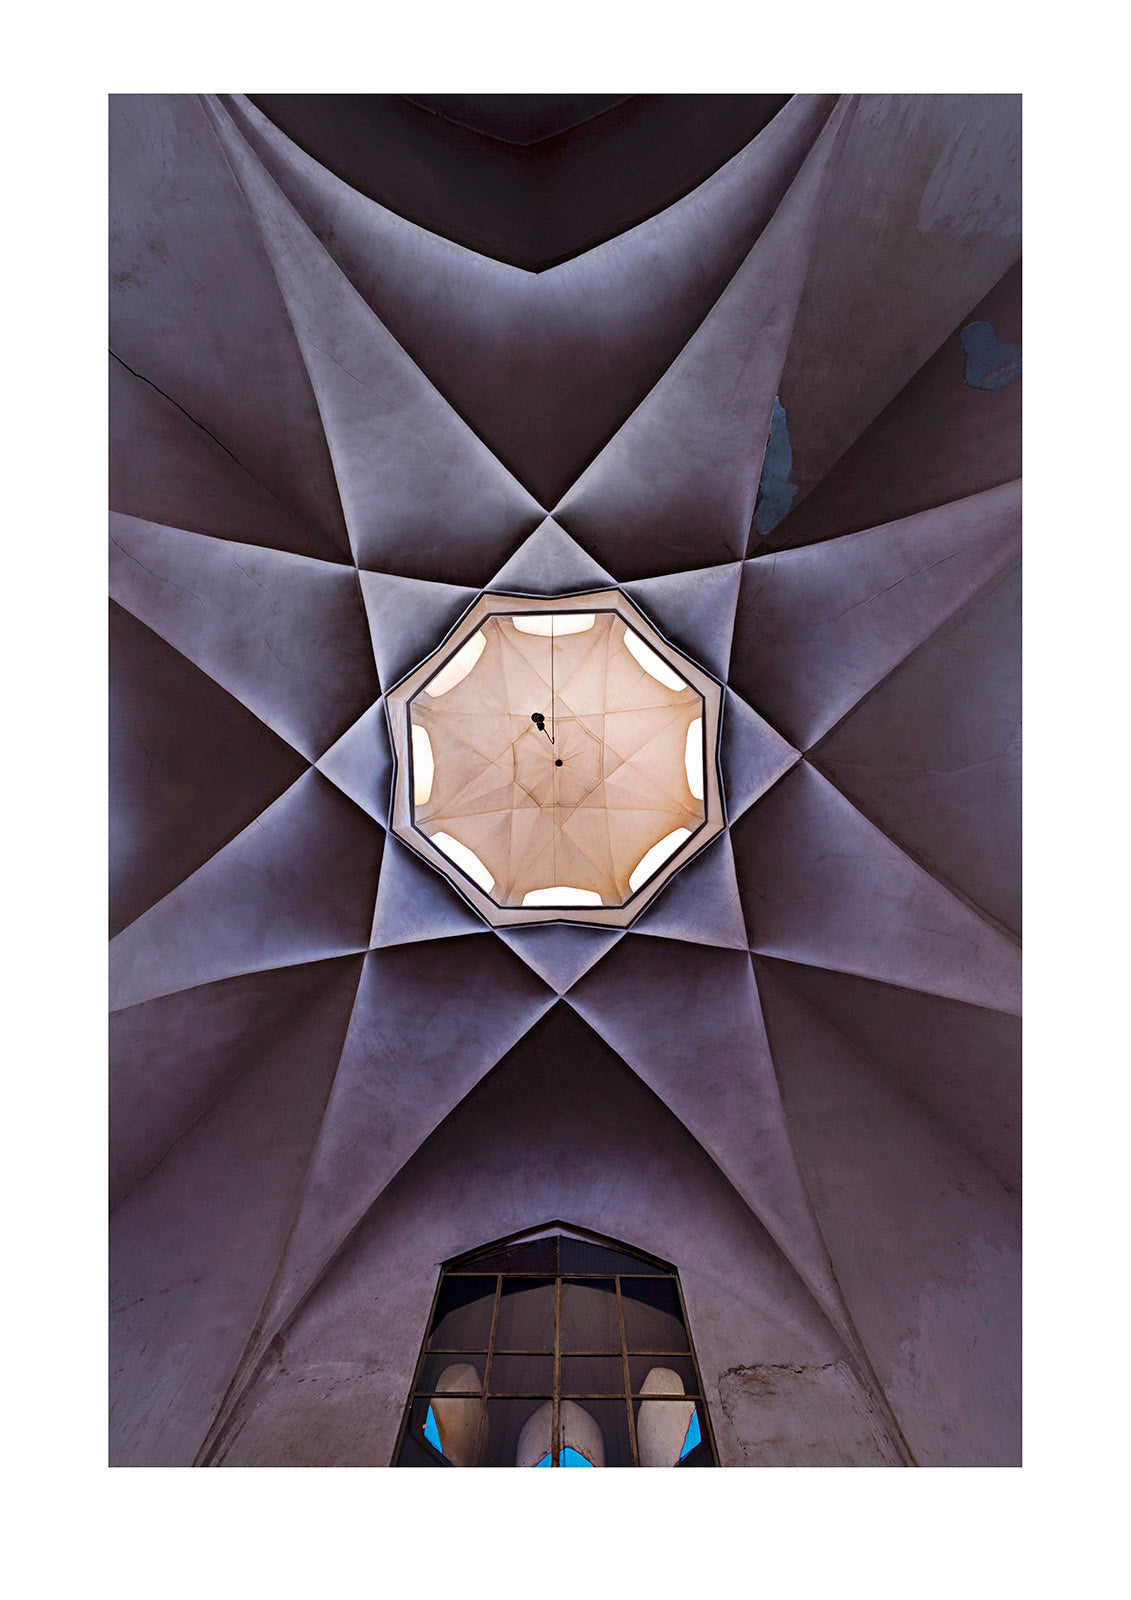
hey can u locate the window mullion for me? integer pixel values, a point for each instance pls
(556, 1437)
(481, 1434)
(627, 1384)
(701, 1403)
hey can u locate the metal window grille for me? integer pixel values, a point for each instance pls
(558, 1340)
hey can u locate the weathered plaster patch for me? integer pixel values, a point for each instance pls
(789, 1415)
(991, 363)
(775, 492)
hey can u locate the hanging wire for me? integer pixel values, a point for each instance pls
(536, 717)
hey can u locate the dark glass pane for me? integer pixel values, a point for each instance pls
(441, 1372)
(463, 1314)
(610, 1420)
(522, 1374)
(415, 1454)
(640, 1366)
(592, 1375)
(506, 1420)
(526, 1315)
(535, 1255)
(652, 1319)
(671, 1433)
(580, 1256)
(589, 1316)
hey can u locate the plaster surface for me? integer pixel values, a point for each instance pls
(377, 363)
(561, 1121)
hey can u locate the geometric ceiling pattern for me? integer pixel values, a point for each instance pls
(576, 813)
(744, 405)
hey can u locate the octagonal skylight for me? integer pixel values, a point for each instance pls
(556, 758)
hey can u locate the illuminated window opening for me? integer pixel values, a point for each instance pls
(653, 664)
(457, 669)
(556, 626)
(693, 758)
(464, 858)
(561, 895)
(652, 860)
(423, 765)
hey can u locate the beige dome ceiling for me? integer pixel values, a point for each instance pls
(557, 759)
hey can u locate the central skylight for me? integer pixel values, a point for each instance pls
(557, 758)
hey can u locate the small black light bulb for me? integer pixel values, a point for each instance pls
(537, 718)
(558, 762)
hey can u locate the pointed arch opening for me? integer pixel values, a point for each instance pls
(557, 1348)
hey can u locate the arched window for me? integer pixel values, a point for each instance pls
(555, 1349)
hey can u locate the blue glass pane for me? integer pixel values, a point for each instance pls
(432, 1432)
(574, 1458)
(545, 1462)
(692, 1437)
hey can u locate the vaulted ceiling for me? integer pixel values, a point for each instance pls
(373, 356)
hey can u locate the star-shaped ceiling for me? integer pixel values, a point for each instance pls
(362, 430)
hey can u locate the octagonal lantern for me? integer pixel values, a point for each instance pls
(555, 759)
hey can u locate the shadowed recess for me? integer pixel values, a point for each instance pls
(924, 1240)
(962, 1063)
(546, 367)
(517, 118)
(818, 627)
(194, 1248)
(166, 467)
(285, 635)
(881, 914)
(196, 311)
(420, 1038)
(361, 763)
(933, 754)
(189, 768)
(938, 440)
(409, 470)
(687, 1020)
(533, 205)
(676, 486)
(923, 221)
(171, 1058)
(297, 885)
